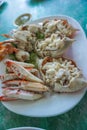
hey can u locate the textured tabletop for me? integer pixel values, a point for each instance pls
(75, 119)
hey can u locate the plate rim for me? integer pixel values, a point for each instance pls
(26, 128)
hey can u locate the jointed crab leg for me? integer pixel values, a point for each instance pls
(21, 94)
(21, 72)
(7, 77)
(5, 98)
(26, 65)
(27, 85)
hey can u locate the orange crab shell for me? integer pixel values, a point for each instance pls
(6, 49)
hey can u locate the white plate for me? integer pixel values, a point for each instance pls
(25, 128)
(58, 103)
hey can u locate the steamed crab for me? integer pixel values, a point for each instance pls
(21, 82)
(51, 38)
(62, 74)
(58, 34)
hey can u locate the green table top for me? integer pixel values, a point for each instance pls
(75, 119)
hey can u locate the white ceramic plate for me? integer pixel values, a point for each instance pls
(57, 103)
(26, 128)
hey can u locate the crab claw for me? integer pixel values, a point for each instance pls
(21, 72)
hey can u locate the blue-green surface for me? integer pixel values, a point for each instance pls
(75, 119)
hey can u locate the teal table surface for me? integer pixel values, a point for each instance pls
(75, 119)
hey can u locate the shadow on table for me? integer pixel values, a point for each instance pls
(3, 7)
(34, 2)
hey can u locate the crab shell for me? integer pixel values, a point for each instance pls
(76, 84)
(64, 44)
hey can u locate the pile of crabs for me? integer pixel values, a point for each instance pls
(55, 73)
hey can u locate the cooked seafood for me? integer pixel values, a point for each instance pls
(22, 55)
(19, 94)
(21, 72)
(21, 83)
(59, 74)
(59, 25)
(26, 85)
(53, 46)
(26, 35)
(57, 38)
(25, 65)
(51, 38)
(62, 75)
(6, 49)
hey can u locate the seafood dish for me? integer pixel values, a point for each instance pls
(53, 73)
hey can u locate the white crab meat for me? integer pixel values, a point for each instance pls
(62, 74)
(22, 55)
(34, 28)
(59, 25)
(53, 46)
(22, 35)
(50, 26)
(25, 40)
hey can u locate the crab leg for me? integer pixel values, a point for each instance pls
(27, 85)
(6, 35)
(6, 77)
(21, 72)
(26, 65)
(10, 71)
(5, 98)
(21, 94)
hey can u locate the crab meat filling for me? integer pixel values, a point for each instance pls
(53, 46)
(60, 71)
(56, 26)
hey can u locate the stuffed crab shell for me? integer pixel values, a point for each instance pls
(58, 25)
(53, 46)
(62, 75)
